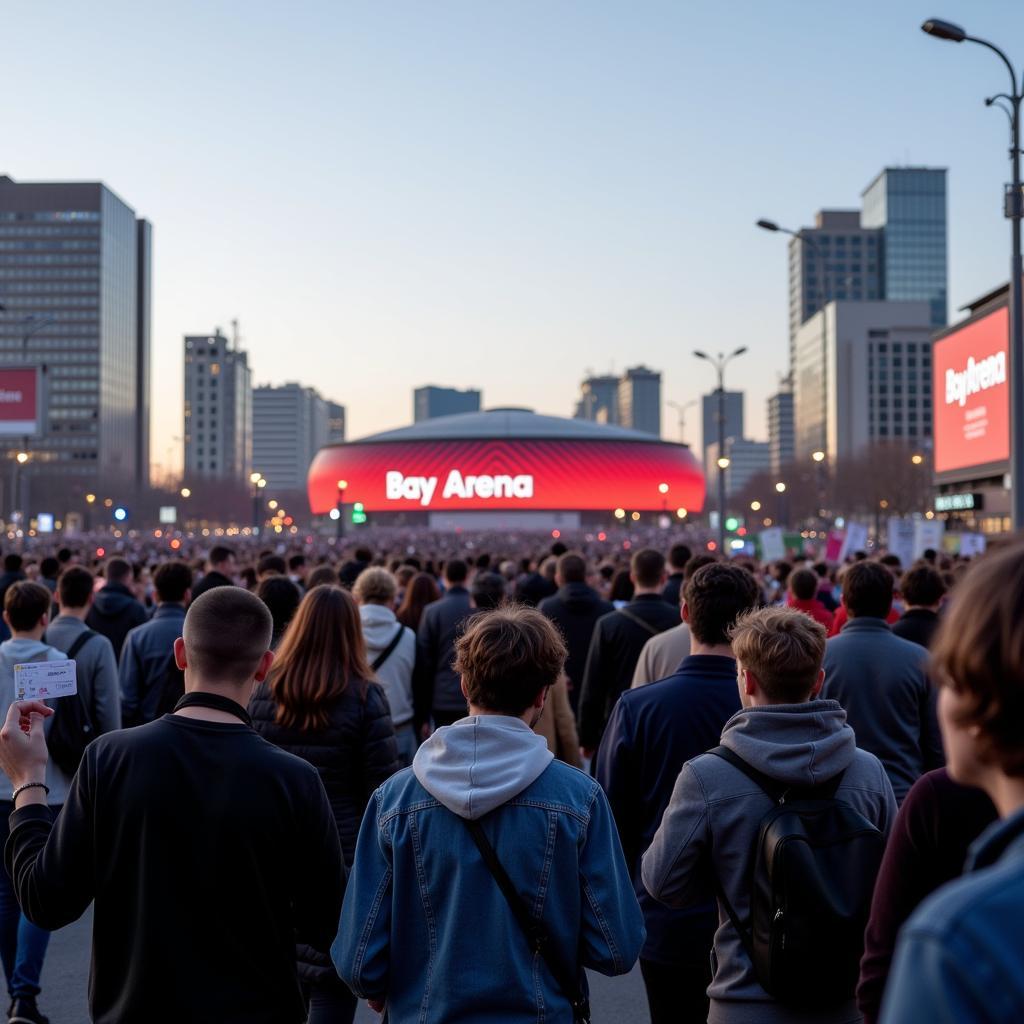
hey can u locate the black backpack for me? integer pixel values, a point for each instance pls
(814, 867)
(72, 729)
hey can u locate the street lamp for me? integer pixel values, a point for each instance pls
(1013, 208)
(186, 492)
(254, 479)
(340, 521)
(755, 506)
(720, 363)
(780, 489)
(681, 407)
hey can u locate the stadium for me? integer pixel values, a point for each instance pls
(507, 468)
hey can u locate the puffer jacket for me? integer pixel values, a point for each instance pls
(353, 755)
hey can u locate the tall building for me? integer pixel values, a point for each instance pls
(218, 410)
(336, 423)
(431, 401)
(868, 379)
(75, 279)
(290, 424)
(746, 459)
(732, 414)
(893, 248)
(599, 400)
(640, 400)
(780, 427)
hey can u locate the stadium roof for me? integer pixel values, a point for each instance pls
(511, 424)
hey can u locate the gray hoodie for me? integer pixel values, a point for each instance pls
(15, 652)
(480, 763)
(716, 810)
(395, 675)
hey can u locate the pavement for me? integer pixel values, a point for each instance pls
(65, 984)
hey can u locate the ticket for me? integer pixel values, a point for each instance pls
(44, 680)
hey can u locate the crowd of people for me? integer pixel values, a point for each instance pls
(449, 776)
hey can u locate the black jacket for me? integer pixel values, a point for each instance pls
(575, 610)
(209, 581)
(435, 684)
(114, 612)
(614, 651)
(917, 625)
(353, 756)
(673, 592)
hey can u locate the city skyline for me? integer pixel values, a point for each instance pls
(383, 209)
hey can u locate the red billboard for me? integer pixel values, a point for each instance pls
(971, 394)
(470, 474)
(19, 401)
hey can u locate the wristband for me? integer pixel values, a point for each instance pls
(29, 785)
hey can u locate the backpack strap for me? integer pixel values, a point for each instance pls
(80, 641)
(536, 934)
(633, 617)
(389, 650)
(779, 791)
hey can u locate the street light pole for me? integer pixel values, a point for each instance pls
(720, 363)
(1013, 209)
(340, 529)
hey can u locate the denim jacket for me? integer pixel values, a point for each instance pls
(425, 926)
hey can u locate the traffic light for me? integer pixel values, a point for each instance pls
(358, 514)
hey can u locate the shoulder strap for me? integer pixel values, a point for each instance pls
(80, 641)
(389, 650)
(633, 617)
(535, 932)
(778, 791)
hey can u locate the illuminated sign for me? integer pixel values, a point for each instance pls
(959, 502)
(971, 394)
(422, 488)
(20, 401)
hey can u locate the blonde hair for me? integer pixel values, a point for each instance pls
(375, 586)
(784, 649)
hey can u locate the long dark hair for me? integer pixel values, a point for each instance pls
(322, 651)
(423, 590)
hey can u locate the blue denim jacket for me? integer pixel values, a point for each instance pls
(425, 925)
(959, 955)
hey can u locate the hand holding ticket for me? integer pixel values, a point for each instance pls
(45, 680)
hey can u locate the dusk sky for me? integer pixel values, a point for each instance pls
(501, 195)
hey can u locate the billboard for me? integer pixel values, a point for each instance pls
(20, 401)
(971, 394)
(502, 475)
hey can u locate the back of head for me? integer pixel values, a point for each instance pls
(558, 549)
(271, 565)
(12, 563)
(172, 580)
(375, 586)
(572, 568)
(783, 648)
(49, 567)
(507, 656)
(716, 596)
(698, 561)
(803, 584)
(227, 631)
(456, 571)
(622, 586)
(648, 568)
(322, 653)
(297, 563)
(75, 587)
(922, 586)
(118, 570)
(678, 556)
(323, 575)
(867, 590)
(25, 604)
(282, 598)
(488, 590)
(363, 554)
(220, 554)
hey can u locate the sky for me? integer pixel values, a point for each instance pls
(502, 195)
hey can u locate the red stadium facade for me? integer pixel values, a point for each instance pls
(508, 461)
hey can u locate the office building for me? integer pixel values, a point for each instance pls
(218, 410)
(290, 424)
(746, 460)
(732, 416)
(75, 281)
(640, 400)
(431, 401)
(780, 427)
(893, 248)
(868, 379)
(599, 400)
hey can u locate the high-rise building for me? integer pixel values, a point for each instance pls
(780, 427)
(640, 400)
(431, 401)
(75, 281)
(732, 414)
(336, 423)
(746, 459)
(867, 380)
(599, 400)
(290, 424)
(218, 410)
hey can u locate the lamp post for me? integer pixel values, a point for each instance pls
(258, 483)
(720, 363)
(340, 525)
(1013, 208)
(819, 460)
(680, 408)
(780, 489)
(17, 512)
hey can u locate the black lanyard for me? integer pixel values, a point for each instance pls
(214, 701)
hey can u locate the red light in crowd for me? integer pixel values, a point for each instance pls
(100, 552)
(602, 536)
(742, 531)
(712, 546)
(626, 545)
(175, 543)
(288, 520)
(556, 534)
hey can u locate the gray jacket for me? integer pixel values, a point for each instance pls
(715, 813)
(96, 669)
(880, 679)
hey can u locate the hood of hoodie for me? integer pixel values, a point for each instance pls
(14, 652)
(801, 744)
(480, 763)
(379, 626)
(112, 600)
